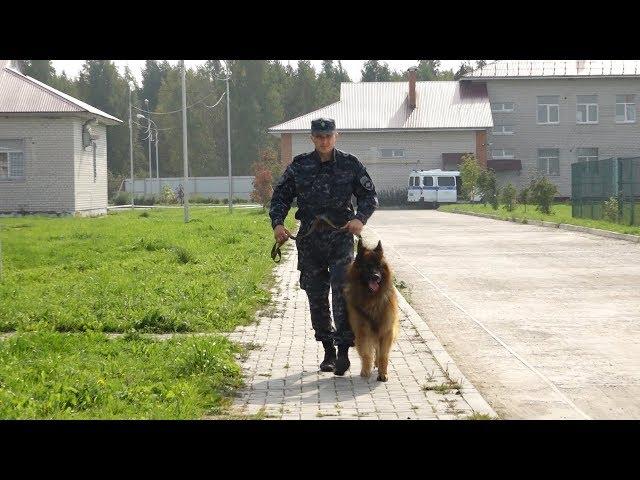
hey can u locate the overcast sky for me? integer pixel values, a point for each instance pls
(353, 67)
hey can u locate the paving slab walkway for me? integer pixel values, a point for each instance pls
(283, 380)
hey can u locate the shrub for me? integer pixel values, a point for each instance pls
(114, 182)
(508, 197)
(488, 188)
(122, 198)
(524, 197)
(262, 184)
(167, 195)
(611, 210)
(542, 193)
(392, 197)
(470, 171)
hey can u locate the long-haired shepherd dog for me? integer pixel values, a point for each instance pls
(373, 308)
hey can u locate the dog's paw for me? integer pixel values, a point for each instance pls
(383, 377)
(365, 373)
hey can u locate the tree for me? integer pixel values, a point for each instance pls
(470, 171)
(463, 70)
(152, 75)
(265, 171)
(41, 70)
(374, 71)
(508, 197)
(99, 84)
(428, 70)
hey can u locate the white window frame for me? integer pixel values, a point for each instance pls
(502, 109)
(502, 130)
(586, 158)
(627, 106)
(9, 176)
(393, 150)
(547, 159)
(587, 105)
(548, 109)
(504, 155)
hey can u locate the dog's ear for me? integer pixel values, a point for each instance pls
(378, 248)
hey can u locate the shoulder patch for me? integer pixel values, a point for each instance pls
(366, 182)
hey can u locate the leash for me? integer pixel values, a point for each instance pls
(275, 250)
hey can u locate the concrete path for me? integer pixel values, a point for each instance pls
(544, 322)
(284, 381)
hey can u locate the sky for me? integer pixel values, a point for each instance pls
(353, 67)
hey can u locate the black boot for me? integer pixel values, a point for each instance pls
(342, 362)
(329, 362)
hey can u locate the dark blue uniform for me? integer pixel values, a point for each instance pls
(325, 188)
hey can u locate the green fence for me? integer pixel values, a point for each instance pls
(596, 181)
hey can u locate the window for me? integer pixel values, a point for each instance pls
(548, 109)
(549, 161)
(414, 181)
(587, 154)
(502, 153)
(503, 130)
(427, 181)
(11, 164)
(391, 153)
(502, 107)
(587, 109)
(625, 108)
(446, 181)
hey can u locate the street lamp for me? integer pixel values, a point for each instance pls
(151, 138)
(146, 104)
(131, 146)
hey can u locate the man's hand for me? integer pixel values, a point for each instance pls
(354, 226)
(281, 234)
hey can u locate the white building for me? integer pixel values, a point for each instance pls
(396, 127)
(53, 149)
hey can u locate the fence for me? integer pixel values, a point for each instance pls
(596, 181)
(211, 187)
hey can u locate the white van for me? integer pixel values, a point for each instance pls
(433, 186)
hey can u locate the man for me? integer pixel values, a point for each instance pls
(323, 182)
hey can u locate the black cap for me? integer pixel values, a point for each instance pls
(324, 126)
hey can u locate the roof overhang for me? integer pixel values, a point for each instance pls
(385, 130)
(504, 165)
(83, 115)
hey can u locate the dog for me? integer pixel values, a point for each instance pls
(372, 306)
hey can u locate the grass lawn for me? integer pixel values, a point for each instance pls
(561, 214)
(67, 280)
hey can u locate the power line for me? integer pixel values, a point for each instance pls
(174, 111)
(216, 104)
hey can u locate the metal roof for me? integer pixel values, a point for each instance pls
(557, 68)
(372, 106)
(22, 94)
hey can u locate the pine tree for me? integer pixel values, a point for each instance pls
(374, 71)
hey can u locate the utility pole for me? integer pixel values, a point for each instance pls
(146, 104)
(157, 169)
(131, 148)
(185, 157)
(229, 146)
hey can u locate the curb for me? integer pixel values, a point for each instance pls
(468, 392)
(563, 226)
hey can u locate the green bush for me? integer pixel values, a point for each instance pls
(394, 197)
(488, 188)
(198, 199)
(167, 195)
(612, 210)
(470, 171)
(508, 197)
(524, 197)
(122, 198)
(542, 194)
(146, 200)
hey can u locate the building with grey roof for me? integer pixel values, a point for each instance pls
(395, 127)
(53, 148)
(519, 117)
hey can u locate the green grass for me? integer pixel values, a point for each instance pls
(48, 375)
(68, 280)
(123, 271)
(561, 214)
